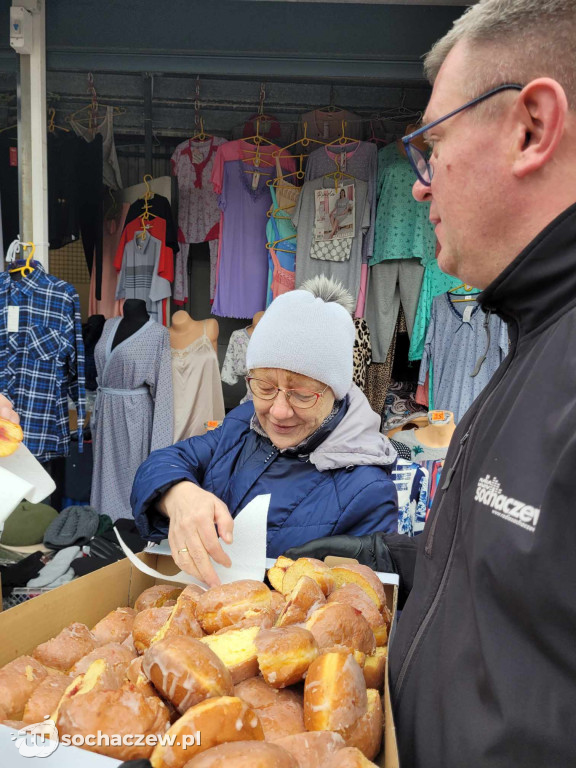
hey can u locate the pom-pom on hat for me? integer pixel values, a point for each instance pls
(308, 331)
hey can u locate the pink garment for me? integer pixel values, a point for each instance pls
(422, 395)
(198, 213)
(108, 306)
(361, 303)
(283, 280)
(244, 150)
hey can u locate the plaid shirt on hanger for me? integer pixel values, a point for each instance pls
(42, 358)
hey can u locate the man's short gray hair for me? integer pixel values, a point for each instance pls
(513, 41)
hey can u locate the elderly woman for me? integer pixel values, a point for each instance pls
(309, 438)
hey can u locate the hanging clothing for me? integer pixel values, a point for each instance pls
(402, 227)
(198, 394)
(326, 125)
(461, 340)
(139, 275)
(359, 160)
(111, 176)
(9, 186)
(90, 211)
(411, 481)
(244, 150)
(243, 270)
(234, 365)
(378, 379)
(133, 413)
(198, 213)
(362, 352)
(434, 283)
(63, 188)
(347, 272)
(391, 283)
(281, 263)
(108, 305)
(418, 451)
(161, 226)
(42, 358)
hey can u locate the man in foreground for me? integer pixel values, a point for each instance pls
(482, 665)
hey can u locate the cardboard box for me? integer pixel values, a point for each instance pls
(87, 600)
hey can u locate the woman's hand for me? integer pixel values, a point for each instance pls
(7, 410)
(193, 515)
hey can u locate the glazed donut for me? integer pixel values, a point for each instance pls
(374, 668)
(278, 601)
(244, 754)
(340, 624)
(45, 699)
(258, 694)
(350, 757)
(156, 597)
(282, 719)
(236, 649)
(353, 595)
(121, 712)
(276, 573)
(364, 577)
(284, 654)
(313, 749)
(116, 655)
(308, 566)
(367, 734)
(305, 598)
(68, 647)
(182, 620)
(98, 677)
(115, 627)
(228, 604)
(147, 623)
(358, 655)
(218, 720)
(186, 671)
(135, 676)
(263, 619)
(334, 694)
(18, 681)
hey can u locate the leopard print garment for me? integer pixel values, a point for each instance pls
(362, 352)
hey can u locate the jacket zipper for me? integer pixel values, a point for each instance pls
(432, 609)
(449, 476)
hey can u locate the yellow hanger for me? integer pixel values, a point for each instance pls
(52, 125)
(338, 176)
(305, 141)
(343, 139)
(467, 288)
(146, 214)
(8, 127)
(26, 269)
(274, 244)
(300, 173)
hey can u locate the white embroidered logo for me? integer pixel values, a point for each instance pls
(489, 492)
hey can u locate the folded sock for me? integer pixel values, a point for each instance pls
(57, 567)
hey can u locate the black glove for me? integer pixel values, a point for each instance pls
(142, 763)
(370, 549)
(384, 552)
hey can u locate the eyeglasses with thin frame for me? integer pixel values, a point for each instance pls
(418, 159)
(298, 398)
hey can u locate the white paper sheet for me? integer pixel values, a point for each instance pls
(247, 551)
(22, 477)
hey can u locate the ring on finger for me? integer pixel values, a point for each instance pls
(184, 549)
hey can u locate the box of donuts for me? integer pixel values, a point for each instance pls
(118, 666)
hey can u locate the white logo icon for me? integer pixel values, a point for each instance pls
(489, 492)
(37, 739)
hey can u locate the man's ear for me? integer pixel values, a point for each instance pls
(541, 118)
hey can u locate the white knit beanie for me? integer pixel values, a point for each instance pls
(308, 331)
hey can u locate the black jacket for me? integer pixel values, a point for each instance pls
(483, 663)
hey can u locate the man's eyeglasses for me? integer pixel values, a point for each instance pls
(419, 159)
(298, 398)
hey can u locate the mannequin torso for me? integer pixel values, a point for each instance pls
(184, 330)
(135, 316)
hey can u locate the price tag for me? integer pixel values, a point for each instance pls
(326, 130)
(13, 319)
(255, 180)
(438, 415)
(467, 313)
(343, 161)
(13, 157)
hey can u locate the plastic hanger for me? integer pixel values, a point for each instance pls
(26, 269)
(275, 243)
(300, 173)
(201, 135)
(52, 125)
(305, 141)
(9, 127)
(146, 215)
(467, 288)
(343, 139)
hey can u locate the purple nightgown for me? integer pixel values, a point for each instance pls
(243, 269)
